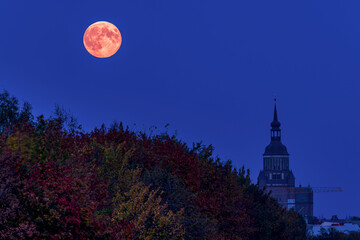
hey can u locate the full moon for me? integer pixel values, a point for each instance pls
(102, 39)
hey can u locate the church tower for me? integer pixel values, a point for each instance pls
(276, 171)
(277, 177)
(276, 174)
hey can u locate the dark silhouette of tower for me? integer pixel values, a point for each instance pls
(277, 177)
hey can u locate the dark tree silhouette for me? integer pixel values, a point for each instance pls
(119, 184)
(10, 113)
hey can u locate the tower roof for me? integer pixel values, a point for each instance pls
(275, 147)
(275, 123)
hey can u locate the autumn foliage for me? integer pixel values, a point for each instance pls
(113, 183)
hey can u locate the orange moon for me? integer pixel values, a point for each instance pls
(102, 39)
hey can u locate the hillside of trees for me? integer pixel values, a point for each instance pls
(58, 182)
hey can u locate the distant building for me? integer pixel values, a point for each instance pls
(277, 177)
(315, 230)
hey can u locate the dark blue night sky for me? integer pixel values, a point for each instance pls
(208, 68)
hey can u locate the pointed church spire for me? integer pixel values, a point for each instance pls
(275, 112)
(275, 126)
(275, 147)
(275, 123)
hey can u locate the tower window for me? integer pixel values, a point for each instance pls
(276, 176)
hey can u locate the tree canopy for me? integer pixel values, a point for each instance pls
(113, 183)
